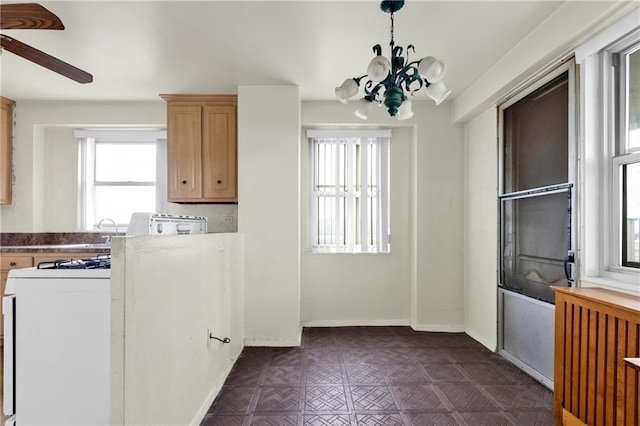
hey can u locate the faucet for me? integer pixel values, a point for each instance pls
(99, 226)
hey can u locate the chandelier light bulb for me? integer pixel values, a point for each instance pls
(432, 69)
(378, 69)
(405, 112)
(347, 90)
(438, 92)
(364, 106)
(392, 80)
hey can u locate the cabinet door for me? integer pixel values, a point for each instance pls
(219, 153)
(184, 152)
(6, 152)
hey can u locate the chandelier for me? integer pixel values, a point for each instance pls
(397, 79)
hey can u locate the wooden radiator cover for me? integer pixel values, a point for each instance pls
(594, 330)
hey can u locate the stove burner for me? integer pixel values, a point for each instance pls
(102, 261)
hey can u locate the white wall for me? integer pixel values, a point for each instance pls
(361, 289)
(269, 211)
(552, 41)
(481, 244)
(45, 193)
(547, 46)
(420, 281)
(167, 293)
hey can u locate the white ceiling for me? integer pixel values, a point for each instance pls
(139, 49)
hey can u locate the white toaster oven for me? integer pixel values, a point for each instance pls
(166, 224)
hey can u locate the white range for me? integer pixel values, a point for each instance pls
(56, 346)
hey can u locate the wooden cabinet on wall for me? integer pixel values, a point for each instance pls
(201, 148)
(6, 149)
(596, 329)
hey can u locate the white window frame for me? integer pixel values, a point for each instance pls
(601, 158)
(88, 183)
(351, 138)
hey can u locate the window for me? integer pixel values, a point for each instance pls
(626, 162)
(121, 173)
(349, 194)
(609, 156)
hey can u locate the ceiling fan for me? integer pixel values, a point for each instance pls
(32, 16)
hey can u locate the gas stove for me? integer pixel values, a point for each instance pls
(102, 261)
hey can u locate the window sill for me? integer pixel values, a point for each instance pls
(625, 284)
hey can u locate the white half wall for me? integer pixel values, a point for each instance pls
(269, 212)
(167, 294)
(480, 223)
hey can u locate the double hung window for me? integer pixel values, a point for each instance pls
(349, 193)
(610, 157)
(626, 162)
(120, 174)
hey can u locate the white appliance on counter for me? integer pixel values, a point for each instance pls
(57, 344)
(166, 224)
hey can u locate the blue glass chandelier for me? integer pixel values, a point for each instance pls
(392, 81)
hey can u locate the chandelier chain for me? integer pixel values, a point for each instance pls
(392, 42)
(393, 80)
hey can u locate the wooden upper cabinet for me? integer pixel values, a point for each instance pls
(6, 150)
(201, 148)
(219, 153)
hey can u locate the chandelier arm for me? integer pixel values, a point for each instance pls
(402, 80)
(407, 72)
(372, 90)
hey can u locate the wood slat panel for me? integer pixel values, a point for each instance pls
(610, 391)
(584, 363)
(559, 356)
(592, 350)
(621, 350)
(632, 396)
(575, 361)
(601, 380)
(593, 384)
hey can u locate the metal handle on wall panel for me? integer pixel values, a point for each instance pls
(223, 340)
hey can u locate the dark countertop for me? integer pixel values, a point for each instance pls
(47, 242)
(61, 248)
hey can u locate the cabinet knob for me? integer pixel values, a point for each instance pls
(12, 264)
(219, 181)
(184, 182)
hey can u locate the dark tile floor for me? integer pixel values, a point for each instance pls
(383, 376)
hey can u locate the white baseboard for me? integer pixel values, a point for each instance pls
(441, 328)
(215, 389)
(356, 323)
(491, 345)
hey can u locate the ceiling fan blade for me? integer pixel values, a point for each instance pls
(45, 60)
(28, 16)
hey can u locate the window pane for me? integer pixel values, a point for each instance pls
(118, 202)
(125, 162)
(534, 244)
(337, 205)
(631, 216)
(633, 73)
(536, 138)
